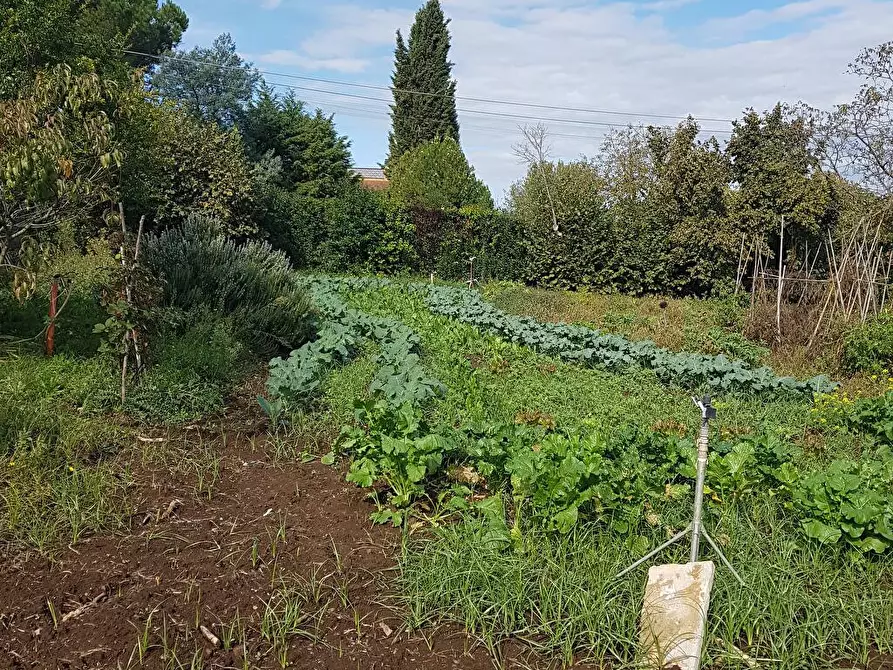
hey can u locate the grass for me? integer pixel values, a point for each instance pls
(711, 326)
(488, 379)
(57, 480)
(678, 326)
(803, 606)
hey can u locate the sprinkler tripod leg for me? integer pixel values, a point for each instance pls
(678, 536)
(721, 555)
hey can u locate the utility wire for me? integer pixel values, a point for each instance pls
(494, 101)
(372, 113)
(506, 115)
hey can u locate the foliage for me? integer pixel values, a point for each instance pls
(58, 154)
(855, 138)
(632, 219)
(354, 229)
(736, 346)
(181, 165)
(195, 361)
(55, 480)
(561, 592)
(490, 237)
(699, 244)
(587, 346)
(37, 34)
(212, 83)
(436, 176)
(571, 249)
(848, 501)
(400, 378)
(249, 282)
(292, 223)
(391, 444)
(778, 176)
(424, 106)
(47, 501)
(869, 347)
(315, 160)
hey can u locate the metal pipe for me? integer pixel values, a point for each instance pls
(699, 481)
(678, 536)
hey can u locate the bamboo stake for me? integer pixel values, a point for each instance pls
(781, 269)
(741, 264)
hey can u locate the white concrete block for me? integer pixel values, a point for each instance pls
(674, 615)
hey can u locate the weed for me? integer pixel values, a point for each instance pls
(294, 609)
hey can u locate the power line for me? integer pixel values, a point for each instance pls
(677, 117)
(371, 113)
(506, 115)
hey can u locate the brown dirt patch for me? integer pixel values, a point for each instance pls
(215, 562)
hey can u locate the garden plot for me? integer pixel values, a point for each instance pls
(418, 473)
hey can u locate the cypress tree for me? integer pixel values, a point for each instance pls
(422, 65)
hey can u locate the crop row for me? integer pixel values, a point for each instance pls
(627, 479)
(399, 379)
(580, 344)
(587, 346)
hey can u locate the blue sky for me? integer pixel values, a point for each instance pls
(619, 59)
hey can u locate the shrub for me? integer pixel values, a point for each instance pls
(177, 165)
(292, 223)
(567, 233)
(250, 282)
(870, 346)
(437, 176)
(192, 372)
(491, 237)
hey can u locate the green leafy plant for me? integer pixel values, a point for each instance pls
(869, 347)
(396, 447)
(250, 282)
(849, 501)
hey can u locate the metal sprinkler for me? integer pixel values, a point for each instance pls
(696, 527)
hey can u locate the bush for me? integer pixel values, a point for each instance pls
(494, 240)
(192, 372)
(249, 282)
(177, 165)
(576, 248)
(293, 223)
(437, 176)
(869, 347)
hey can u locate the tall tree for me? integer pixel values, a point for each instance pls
(315, 159)
(86, 36)
(213, 83)
(778, 175)
(856, 138)
(424, 106)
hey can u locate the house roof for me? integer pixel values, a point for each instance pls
(370, 173)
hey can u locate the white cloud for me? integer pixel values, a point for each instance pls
(759, 19)
(614, 56)
(355, 30)
(296, 59)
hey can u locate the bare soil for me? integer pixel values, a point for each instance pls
(189, 561)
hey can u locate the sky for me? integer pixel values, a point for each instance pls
(614, 62)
